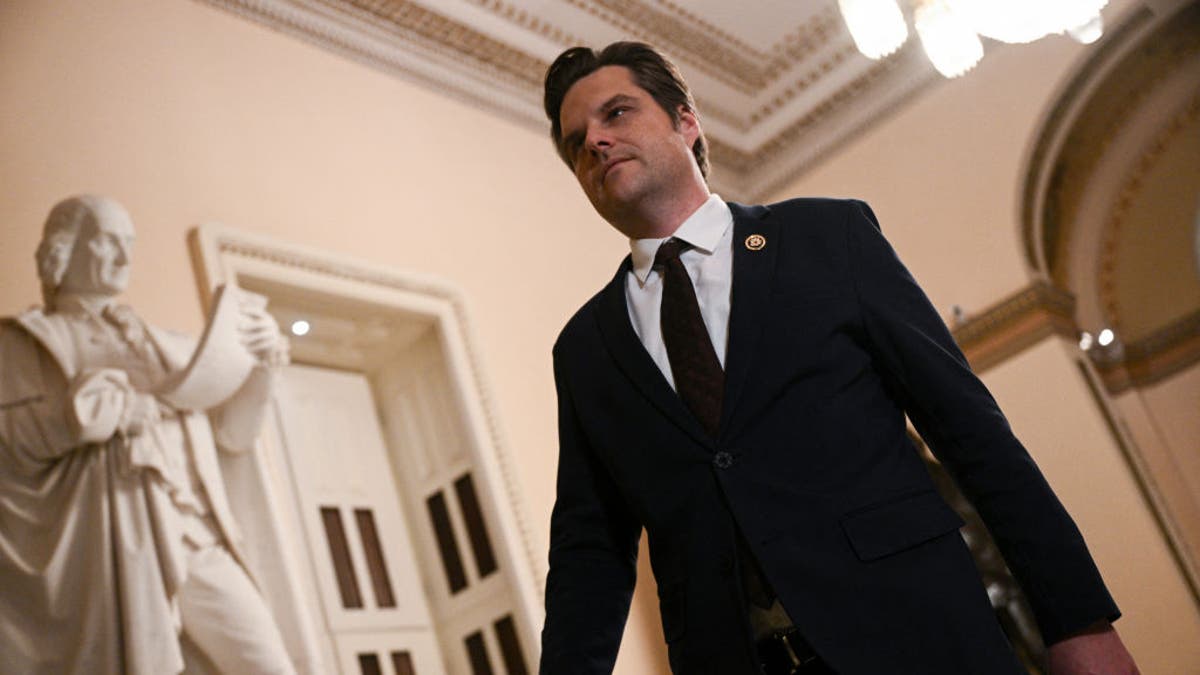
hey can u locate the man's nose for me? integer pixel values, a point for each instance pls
(598, 141)
(123, 253)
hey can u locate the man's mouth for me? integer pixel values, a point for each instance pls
(610, 165)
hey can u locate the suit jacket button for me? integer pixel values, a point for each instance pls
(723, 460)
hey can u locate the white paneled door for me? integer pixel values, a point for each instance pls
(361, 554)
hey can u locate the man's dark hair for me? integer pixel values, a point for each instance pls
(651, 71)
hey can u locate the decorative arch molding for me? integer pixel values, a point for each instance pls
(1108, 212)
(1093, 188)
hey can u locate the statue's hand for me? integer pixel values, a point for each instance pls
(261, 337)
(103, 403)
(142, 411)
(97, 401)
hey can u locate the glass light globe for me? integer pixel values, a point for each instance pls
(1088, 32)
(877, 26)
(949, 40)
(1022, 21)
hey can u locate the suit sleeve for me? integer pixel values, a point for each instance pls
(961, 422)
(593, 555)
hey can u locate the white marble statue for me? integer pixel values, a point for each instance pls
(117, 542)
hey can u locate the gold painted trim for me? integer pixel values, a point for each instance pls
(1156, 357)
(1015, 324)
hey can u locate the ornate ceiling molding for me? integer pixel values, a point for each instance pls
(1041, 310)
(776, 93)
(1016, 323)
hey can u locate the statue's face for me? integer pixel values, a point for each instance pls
(100, 262)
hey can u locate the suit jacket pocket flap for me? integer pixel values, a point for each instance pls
(888, 528)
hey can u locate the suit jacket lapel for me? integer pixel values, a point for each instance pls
(753, 271)
(635, 362)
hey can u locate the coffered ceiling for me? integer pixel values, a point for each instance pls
(778, 82)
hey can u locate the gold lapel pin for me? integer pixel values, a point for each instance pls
(756, 242)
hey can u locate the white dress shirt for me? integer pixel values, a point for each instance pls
(709, 263)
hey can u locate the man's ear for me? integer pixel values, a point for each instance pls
(689, 124)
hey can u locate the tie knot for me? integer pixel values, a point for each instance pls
(669, 251)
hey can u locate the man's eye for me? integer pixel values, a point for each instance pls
(617, 112)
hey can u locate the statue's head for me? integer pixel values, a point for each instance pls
(86, 248)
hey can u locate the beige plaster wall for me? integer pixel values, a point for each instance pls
(188, 114)
(943, 173)
(1161, 623)
(1174, 405)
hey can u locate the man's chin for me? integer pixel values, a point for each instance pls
(620, 195)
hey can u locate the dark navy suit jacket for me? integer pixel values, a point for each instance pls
(831, 342)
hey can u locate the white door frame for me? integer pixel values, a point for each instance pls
(221, 254)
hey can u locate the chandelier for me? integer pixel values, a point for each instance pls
(950, 30)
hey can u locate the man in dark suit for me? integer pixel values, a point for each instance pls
(739, 390)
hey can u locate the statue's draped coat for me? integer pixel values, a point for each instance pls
(90, 551)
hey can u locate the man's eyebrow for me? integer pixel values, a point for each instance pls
(619, 99)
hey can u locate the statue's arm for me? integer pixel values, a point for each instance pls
(238, 422)
(35, 421)
(102, 403)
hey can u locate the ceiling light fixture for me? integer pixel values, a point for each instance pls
(949, 40)
(1023, 21)
(950, 29)
(877, 26)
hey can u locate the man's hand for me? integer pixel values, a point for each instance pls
(1095, 651)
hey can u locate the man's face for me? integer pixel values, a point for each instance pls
(100, 262)
(622, 146)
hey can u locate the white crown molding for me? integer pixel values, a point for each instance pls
(770, 113)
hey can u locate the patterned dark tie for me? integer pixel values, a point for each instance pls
(699, 378)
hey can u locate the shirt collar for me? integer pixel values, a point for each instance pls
(703, 230)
